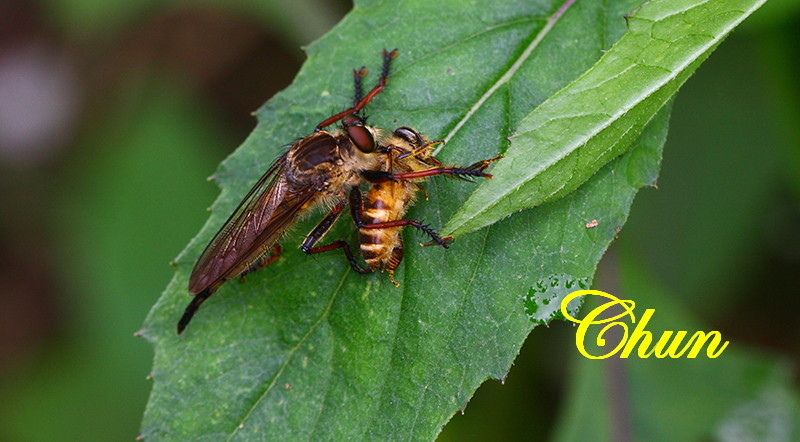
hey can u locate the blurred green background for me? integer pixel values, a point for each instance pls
(113, 113)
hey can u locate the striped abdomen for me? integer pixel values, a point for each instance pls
(383, 248)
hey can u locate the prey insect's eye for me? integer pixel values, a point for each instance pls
(410, 135)
(362, 138)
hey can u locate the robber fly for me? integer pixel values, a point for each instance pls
(408, 155)
(324, 168)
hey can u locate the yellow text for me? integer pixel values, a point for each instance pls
(669, 344)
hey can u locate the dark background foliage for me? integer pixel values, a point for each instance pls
(112, 114)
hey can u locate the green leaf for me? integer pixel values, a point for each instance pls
(570, 136)
(309, 349)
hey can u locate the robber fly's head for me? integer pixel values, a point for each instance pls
(361, 135)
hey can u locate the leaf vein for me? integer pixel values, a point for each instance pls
(647, 93)
(299, 344)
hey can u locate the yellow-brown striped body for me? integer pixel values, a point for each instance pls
(383, 248)
(389, 201)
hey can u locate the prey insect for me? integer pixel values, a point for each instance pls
(328, 168)
(404, 168)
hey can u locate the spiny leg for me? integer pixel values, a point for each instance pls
(442, 241)
(387, 61)
(348, 253)
(356, 213)
(358, 75)
(321, 229)
(473, 170)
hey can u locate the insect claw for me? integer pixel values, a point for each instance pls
(391, 278)
(444, 241)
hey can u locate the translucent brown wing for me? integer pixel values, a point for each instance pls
(262, 217)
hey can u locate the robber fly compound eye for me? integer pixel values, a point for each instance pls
(362, 138)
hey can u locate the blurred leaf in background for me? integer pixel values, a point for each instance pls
(162, 92)
(122, 204)
(149, 98)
